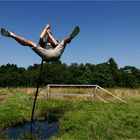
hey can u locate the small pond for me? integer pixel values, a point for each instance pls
(41, 130)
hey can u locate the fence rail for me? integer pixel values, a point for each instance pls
(93, 94)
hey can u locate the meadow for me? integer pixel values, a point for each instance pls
(78, 118)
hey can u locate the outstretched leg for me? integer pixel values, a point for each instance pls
(73, 34)
(66, 41)
(20, 40)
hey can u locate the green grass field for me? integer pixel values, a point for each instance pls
(78, 119)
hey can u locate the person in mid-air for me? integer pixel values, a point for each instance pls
(48, 47)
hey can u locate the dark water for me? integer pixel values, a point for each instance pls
(41, 130)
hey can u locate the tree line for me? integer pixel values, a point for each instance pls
(106, 74)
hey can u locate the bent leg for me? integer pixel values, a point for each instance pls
(22, 41)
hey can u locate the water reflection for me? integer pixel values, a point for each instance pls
(41, 130)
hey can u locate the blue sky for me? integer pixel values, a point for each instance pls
(108, 29)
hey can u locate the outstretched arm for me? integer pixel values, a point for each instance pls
(51, 38)
(43, 35)
(46, 34)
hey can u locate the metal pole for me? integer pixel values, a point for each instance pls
(37, 89)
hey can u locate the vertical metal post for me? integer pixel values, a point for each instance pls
(38, 84)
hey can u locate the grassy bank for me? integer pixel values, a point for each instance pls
(79, 119)
(89, 120)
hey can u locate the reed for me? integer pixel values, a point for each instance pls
(120, 92)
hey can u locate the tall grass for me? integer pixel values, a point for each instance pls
(79, 119)
(14, 109)
(90, 120)
(121, 92)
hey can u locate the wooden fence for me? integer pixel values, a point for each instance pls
(71, 91)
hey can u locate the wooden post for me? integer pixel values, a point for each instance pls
(48, 91)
